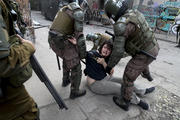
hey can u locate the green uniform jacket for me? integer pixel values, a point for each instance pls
(14, 69)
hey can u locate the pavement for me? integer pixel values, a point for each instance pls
(164, 102)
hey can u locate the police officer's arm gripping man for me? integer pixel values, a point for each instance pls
(114, 10)
(119, 43)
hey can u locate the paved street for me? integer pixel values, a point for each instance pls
(164, 102)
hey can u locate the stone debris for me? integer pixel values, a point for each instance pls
(166, 107)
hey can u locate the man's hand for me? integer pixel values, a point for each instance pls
(25, 41)
(73, 40)
(102, 62)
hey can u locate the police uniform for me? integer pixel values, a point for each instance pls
(134, 36)
(69, 23)
(15, 102)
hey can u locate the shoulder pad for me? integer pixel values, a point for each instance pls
(119, 29)
(122, 20)
(73, 6)
(132, 16)
(78, 15)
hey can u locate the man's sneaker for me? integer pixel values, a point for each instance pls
(147, 76)
(149, 90)
(75, 94)
(143, 105)
(121, 103)
(66, 83)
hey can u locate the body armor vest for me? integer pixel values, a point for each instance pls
(143, 38)
(63, 22)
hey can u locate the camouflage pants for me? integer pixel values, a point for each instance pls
(31, 114)
(74, 75)
(138, 64)
(66, 72)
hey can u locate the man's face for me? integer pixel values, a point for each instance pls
(106, 51)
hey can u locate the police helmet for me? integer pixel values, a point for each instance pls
(115, 8)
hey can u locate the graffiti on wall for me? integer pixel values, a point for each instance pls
(95, 13)
(160, 16)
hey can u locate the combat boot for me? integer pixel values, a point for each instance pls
(147, 76)
(77, 93)
(122, 103)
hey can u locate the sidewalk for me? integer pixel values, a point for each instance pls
(164, 102)
(167, 37)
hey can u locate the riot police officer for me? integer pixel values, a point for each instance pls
(134, 36)
(67, 40)
(15, 69)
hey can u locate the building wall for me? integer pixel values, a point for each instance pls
(25, 10)
(145, 2)
(35, 4)
(95, 3)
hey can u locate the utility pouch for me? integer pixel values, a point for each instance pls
(56, 38)
(21, 77)
(71, 57)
